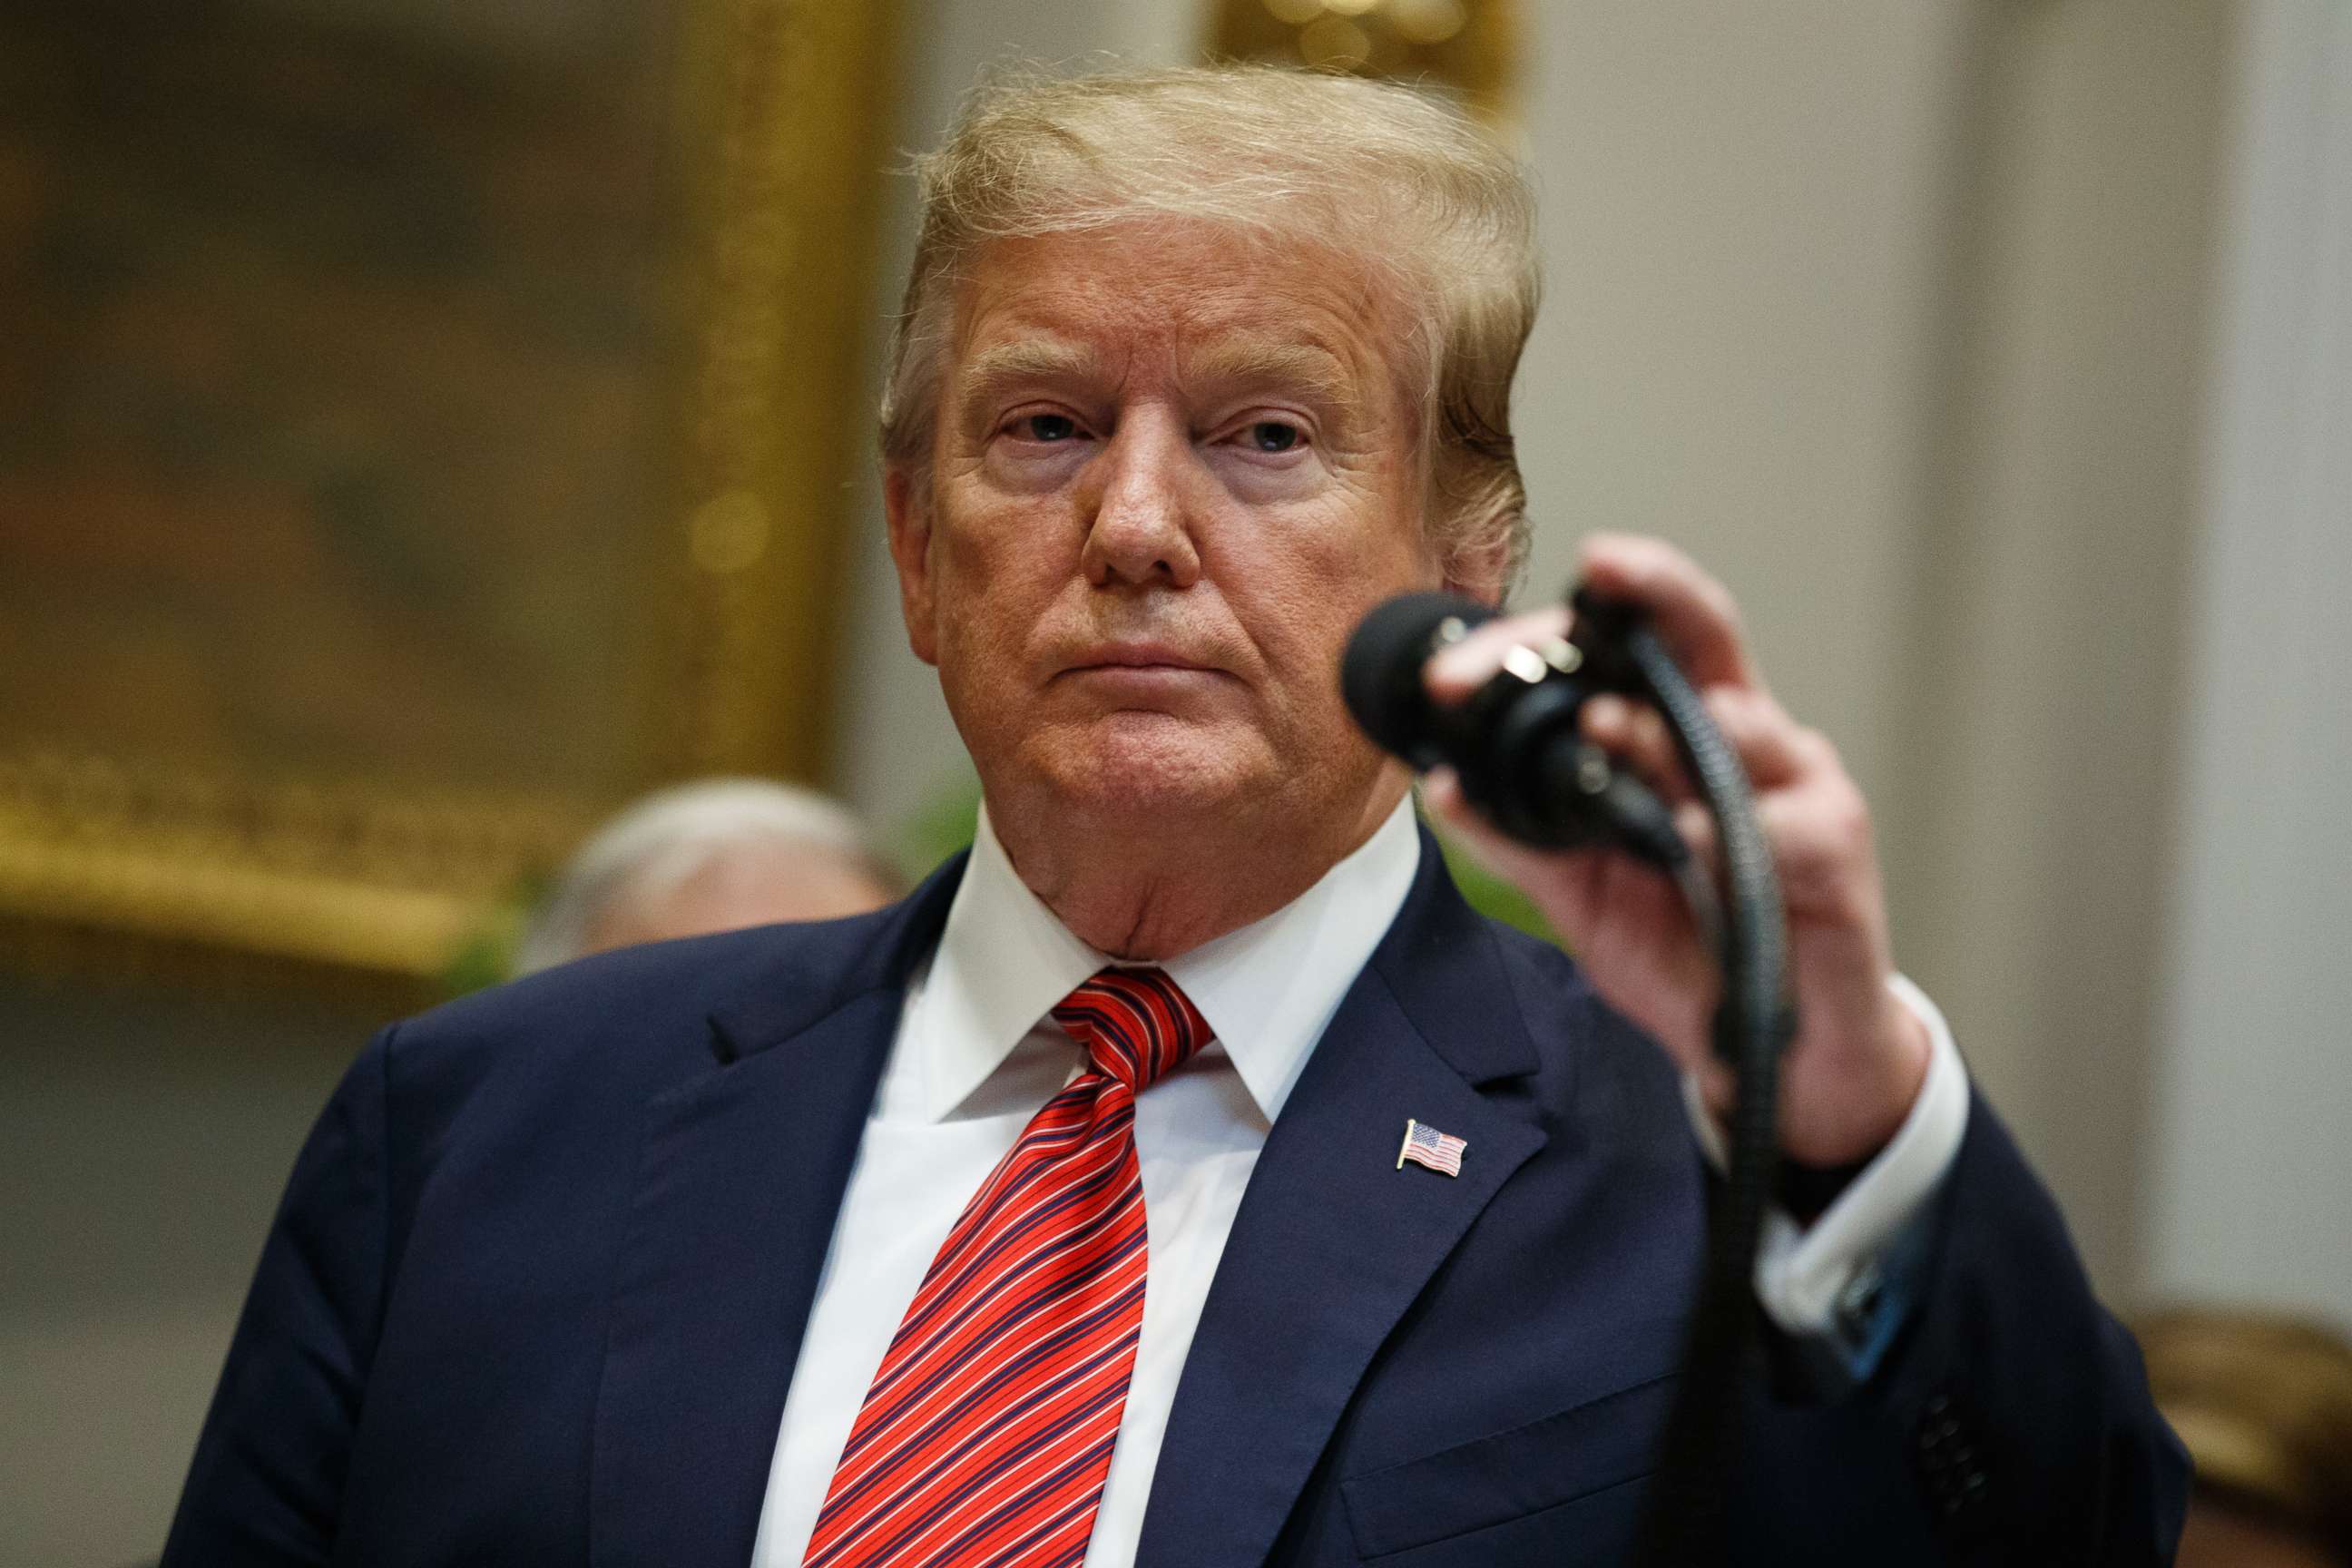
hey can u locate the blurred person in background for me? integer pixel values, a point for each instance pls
(714, 855)
(2264, 1404)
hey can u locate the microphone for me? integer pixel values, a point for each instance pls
(1513, 743)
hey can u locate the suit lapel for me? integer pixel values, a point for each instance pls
(1333, 1241)
(739, 1183)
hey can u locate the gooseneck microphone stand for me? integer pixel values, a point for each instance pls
(1516, 746)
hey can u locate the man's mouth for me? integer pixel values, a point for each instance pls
(1139, 656)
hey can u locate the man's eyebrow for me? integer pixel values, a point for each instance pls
(1314, 372)
(1307, 369)
(1026, 359)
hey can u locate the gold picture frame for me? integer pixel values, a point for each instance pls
(1473, 48)
(174, 776)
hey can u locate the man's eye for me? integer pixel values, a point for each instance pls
(1047, 426)
(1276, 435)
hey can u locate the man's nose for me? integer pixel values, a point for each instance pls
(1141, 529)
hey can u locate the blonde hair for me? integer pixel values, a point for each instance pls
(1408, 187)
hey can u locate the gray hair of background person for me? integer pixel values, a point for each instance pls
(1402, 194)
(658, 843)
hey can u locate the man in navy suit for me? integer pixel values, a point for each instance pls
(615, 1265)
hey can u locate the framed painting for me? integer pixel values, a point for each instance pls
(423, 425)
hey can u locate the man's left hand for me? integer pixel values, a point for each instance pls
(1859, 1055)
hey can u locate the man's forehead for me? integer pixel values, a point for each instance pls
(1215, 306)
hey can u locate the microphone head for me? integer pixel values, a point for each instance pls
(1380, 675)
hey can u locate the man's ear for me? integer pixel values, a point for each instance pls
(907, 503)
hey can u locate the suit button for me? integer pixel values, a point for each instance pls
(1950, 1464)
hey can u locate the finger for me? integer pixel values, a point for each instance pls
(1694, 614)
(1824, 848)
(1462, 667)
(1774, 749)
(1635, 734)
(1697, 831)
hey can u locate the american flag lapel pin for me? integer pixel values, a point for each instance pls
(1425, 1145)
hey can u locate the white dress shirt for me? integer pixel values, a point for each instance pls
(977, 1054)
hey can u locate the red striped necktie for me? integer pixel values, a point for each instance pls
(989, 1428)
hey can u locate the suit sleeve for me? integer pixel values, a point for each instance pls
(266, 1485)
(2009, 1422)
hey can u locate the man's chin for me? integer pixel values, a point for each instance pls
(1151, 768)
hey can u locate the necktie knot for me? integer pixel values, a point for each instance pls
(1135, 1023)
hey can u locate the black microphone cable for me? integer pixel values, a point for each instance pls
(1687, 1522)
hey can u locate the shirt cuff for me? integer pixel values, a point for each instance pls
(1827, 1279)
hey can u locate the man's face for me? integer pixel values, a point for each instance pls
(1170, 472)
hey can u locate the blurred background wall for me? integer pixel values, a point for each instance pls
(2253, 1088)
(1996, 353)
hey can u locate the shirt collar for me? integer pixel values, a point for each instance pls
(1267, 990)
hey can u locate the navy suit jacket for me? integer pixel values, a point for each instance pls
(543, 1269)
